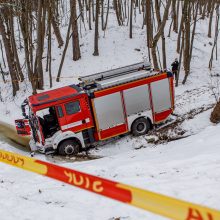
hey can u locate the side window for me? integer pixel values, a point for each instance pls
(72, 107)
(60, 111)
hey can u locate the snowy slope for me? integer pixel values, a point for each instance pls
(188, 168)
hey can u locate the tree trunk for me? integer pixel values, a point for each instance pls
(157, 10)
(131, 19)
(179, 34)
(38, 70)
(193, 31)
(96, 37)
(160, 32)
(117, 12)
(107, 13)
(149, 24)
(210, 18)
(56, 30)
(14, 49)
(68, 36)
(186, 57)
(175, 24)
(49, 58)
(75, 35)
(26, 29)
(216, 37)
(90, 16)
(9, 53)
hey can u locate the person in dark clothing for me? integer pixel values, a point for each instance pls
(175, 68)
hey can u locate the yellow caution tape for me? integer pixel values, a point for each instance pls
(150, 201)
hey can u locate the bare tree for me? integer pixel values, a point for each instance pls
(96, 37)
(55, 24)
(211, 18)
(149, 25)
(186, 57)
(75, 35)
(39, 19)
(38, 66)
(8, 50)
(216, 37)
(131, 18)
(174, 15)
(160, 32)
(49, 58)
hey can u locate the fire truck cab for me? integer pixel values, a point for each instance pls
(103, 105)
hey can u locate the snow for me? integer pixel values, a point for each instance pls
(187, 169)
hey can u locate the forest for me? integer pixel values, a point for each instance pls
(28, 26)
(139, 135)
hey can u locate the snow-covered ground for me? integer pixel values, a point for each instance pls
(188, 169)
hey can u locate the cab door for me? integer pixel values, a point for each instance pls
(23, 127)
(60, 115)
(77, 115)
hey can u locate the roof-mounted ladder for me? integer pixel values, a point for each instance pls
(115, 73)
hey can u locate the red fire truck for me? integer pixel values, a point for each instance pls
(102, 106)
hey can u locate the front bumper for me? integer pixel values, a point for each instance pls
(45, 149)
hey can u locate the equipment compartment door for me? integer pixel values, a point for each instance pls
(110, 117)
(137, 100)
(161, 98)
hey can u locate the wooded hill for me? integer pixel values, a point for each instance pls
(29, 25)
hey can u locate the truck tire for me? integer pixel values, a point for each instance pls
(69, 147)
(140, 127)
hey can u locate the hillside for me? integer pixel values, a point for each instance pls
(180, 159)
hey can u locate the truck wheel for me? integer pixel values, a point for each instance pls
(69, 147)
(140, 127)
